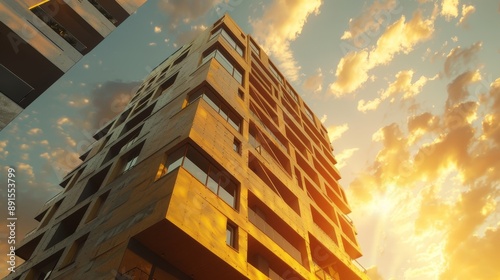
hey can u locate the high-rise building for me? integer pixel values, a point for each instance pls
(216, 169)
(41, 40)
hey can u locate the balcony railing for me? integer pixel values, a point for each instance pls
(268, 230)
(59, 29)
(134, 273)
(263, 152)
(103, 11)
(280, 144)
(327, 273)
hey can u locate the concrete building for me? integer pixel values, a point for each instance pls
(41, 40)
(215, 170)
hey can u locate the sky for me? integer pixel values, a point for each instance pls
(408, 90)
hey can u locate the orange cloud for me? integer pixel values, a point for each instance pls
(370, 20)
(343, 156)
(282, 23)
(467, 10)
(399, 37)
(336, 131)
(459, 59)
(314, 82)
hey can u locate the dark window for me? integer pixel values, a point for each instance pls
(93, 184)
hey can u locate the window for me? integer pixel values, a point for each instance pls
(181, 57)
(237, 146)
(93, 184)
(225, 63)
(217, 180)
(165, 87)
(231, 234)
(254, 48)
(275, 73)
(228, 39)
(309, 114)
(74, 250)
(209, 96)
(130, 163)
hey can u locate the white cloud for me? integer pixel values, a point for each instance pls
(157, 29)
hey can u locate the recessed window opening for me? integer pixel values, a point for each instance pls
(225, 63)
(214, 178)
(229, 39)
(222, 109)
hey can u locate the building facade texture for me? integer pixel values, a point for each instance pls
(216, 169)
(40, 40)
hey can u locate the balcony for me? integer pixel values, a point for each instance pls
(277, 238)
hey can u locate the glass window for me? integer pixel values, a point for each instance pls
(236, 145)
(174, 160)
(200, 168)
(130, 163)
(228, 39)
(197, 165)
(227, 190)
(254, 48)
(231, 235)
(224, 62)
(213, 179)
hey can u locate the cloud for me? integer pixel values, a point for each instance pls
(403, 84)
(314, 82)
(475, 258)
(365, 106)
(107, 101)
(24, 147)
(467, 10)
(323, 118)
(343, 156)
(185, 11)
(369, 21)
(60, 161)
(373, 273)
(351, 73)
(449, 9)
(399, 37)
(152, 44)
(335, 132)
(26, 169)
(34, 131)
(78, 103)
(3, 151)
(281, 23)
(457, 89)
(190, 35)
(157, 29)
(459, 59)
(63, 120)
